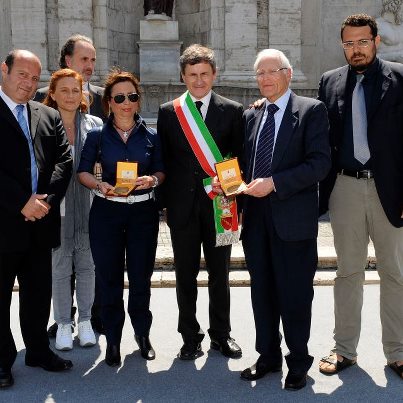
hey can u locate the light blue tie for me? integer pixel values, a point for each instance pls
(24, 126)
(359, 115)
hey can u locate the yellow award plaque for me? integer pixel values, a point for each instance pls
(126, 175)
(229, 175)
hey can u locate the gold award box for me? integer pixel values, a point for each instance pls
(229, 175)
(126, 176)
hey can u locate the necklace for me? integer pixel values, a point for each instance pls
(124, 132)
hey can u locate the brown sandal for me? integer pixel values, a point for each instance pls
(338, 365)
(397, 368)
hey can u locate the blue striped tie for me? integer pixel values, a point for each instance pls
(264, 148)
(24, 126)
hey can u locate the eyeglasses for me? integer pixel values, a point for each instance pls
(262, 74)
(361, 43)
(120, 98)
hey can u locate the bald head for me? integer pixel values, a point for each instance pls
(20, 74)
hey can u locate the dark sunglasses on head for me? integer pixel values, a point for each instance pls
(120, 98)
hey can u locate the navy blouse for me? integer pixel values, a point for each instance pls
(143, 146)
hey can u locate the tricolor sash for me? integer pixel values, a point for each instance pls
(207, 153)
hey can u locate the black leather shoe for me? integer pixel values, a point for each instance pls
(259, 370)
(6, 378)
(146, 349)
(227, 347)
(295, 380)
(51, 362)
(190, 350)
(112, 356)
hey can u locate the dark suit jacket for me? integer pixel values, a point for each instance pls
(96, 96)
(54, 163)
(184, 180)
(385, 134)
(301, 159)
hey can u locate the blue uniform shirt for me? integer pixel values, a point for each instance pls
(143, 146)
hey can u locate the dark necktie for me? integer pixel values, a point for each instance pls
(359, 114)
(264, 148)
(24, 126)
(199, 104)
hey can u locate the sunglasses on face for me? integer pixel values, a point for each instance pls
(120, 98)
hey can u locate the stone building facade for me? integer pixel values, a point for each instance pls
(306, 30)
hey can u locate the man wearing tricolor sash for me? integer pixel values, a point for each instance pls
(197, 130)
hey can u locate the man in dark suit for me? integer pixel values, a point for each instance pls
(35, 170)
(190, 210)
(286, 155)
(78, 54)
(364, 190)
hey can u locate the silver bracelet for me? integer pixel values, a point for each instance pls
(156, 181)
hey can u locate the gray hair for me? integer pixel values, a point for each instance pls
(274, 53)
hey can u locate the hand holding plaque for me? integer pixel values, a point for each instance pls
(126, 175)
(229, 175)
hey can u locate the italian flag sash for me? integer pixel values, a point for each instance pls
(207, 153)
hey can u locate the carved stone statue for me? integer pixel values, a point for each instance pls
(163, 7)
(391, 30)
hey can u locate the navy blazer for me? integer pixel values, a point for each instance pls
(301, 158)
(385, 134)
(54, 163)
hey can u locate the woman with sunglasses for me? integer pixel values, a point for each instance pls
(66, 95)
(123, 226)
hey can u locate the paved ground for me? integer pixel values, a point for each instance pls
(211, 378)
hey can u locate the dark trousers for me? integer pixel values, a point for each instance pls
(282, 275)
(118, 231)
(33, 269)
(186, 244)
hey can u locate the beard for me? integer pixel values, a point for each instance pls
(361, 65)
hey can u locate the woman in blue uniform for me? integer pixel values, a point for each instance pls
(123, 229)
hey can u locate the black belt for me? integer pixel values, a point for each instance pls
(364, 174)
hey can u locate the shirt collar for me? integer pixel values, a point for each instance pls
(282, 101)
(86, 86)
(370, 72)
(205, 99)
(9, 102)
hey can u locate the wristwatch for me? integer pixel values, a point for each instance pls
(156, 181)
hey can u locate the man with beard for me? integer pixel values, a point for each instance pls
(364, 190)
(78, 54)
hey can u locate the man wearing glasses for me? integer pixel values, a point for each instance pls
(364, 190)
(286, 155)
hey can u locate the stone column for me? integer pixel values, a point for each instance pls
(100, 38)
(29, 29)
(285, 33)
(240, 32)
(75, 17)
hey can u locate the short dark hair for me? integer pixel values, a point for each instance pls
(115, 76)
(195, 54)
(68, 48)
(360, 20)
(9, 61)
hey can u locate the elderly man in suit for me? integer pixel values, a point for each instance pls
(78, 54)
(364, 190)
(286, 155)
(35, 170)
(190, 214)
